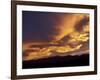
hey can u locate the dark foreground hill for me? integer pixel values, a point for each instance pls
(58, 61)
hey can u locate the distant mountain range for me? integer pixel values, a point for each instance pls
(58, 61)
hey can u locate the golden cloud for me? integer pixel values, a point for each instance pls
(73, 32)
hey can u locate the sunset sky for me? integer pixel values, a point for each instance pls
(39, 27)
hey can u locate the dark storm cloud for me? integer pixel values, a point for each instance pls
(79, 26)
(39, 26)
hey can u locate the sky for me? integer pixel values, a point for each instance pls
(69, 29)
(39, 26)
(48, 26)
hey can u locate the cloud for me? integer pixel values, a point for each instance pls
(70, 30)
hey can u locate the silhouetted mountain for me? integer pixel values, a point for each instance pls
(58, 61)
